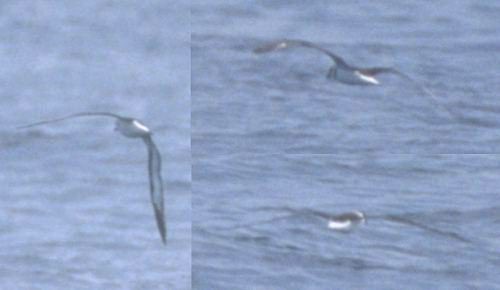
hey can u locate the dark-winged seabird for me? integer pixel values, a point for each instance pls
(133, 128)
(342, 72)
(346, 221)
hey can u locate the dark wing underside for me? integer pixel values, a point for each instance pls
(156, 186)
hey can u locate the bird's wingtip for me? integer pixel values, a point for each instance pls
(23, 127)
(270, 47)
(164, 237)
(259, 50)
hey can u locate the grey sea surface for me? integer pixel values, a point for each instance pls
(281, 102)
(432, 222)
(277, 147)
(75, 209)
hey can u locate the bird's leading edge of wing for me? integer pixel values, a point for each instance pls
(105, 114)
(287, 43)
(156, 186)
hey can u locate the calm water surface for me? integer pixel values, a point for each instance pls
(283, 103)
(432, 222)
(432, 219)
(75, 210)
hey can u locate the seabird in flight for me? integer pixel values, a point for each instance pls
(133, 128)
(345, 73)
(346, 221)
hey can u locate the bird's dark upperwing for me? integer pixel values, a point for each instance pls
(105, 114)
(156, 186)
(380, 70)
(288, 43)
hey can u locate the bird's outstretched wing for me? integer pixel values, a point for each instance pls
(380, 70)
(106, 114)
(288, 43)
(156, 186)
(423, 226)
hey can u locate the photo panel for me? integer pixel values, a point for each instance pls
(345, 77)
(101, 199)
(359, 221)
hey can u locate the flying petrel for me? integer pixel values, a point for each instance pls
(342, 72)
(346, 221)
(133, 128)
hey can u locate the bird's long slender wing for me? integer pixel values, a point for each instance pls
(425, 90)
(106, 114)
(288, 43)
(425, 227)
(156, 186)
(347, 216)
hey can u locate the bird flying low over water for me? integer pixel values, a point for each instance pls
(133, 128)
(346, 221)
(340, 71)
(345, 73)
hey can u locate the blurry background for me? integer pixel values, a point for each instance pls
(75, 210)
(432, 219)
(432, 222)
(282, 101)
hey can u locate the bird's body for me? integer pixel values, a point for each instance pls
(352, 77)
(346, 221)
(133, 128)
(339, 71)
(348, 74)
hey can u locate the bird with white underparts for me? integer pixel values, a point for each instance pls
(346, 221)
(133, 128)
(348, 74)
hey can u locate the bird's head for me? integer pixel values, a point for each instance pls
(131, 128)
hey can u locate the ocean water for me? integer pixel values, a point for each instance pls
(277, 147)
(75, 210)
(260, 222)
(281, 102)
